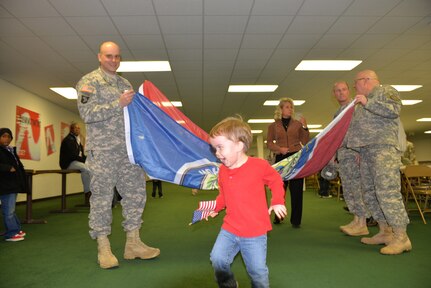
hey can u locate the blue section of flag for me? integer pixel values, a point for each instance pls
(166, 150)
(197, 216)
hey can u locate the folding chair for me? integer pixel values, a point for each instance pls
(418, 185)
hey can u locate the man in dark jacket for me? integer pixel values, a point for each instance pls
(72, 157)
(12, 181)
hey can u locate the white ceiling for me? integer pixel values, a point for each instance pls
(213, 43)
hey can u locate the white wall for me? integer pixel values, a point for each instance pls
(45, 185)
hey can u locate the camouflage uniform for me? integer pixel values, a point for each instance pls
(374, 134)
(98, 104)
(348, 168)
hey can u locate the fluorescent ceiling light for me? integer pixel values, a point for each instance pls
(311, 126)
(144, 66)
(410, 102)
(316, 130)
(275, 102)
(66, 92)
(252, 88)
(260, 121)
(428, 132)
(172, 103)
(256, 131)
(406, 88)
(327, 65)
(424, 120)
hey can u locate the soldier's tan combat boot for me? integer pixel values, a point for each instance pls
(136, 249)
(384, 236)
(358, 229)
(399, 243)
(352, 223)
(105, 258)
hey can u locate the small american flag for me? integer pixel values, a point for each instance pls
(204, 209)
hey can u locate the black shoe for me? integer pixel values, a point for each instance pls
(346, 208)
(153, 195)
(296, 226)
(160, 195)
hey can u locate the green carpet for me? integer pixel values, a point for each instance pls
(61, 254)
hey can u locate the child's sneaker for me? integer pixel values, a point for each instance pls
(15, 238)
(21, 233)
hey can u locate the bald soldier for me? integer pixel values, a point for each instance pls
(102, 95)
(373, 133)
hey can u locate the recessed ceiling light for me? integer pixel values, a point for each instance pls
(424, 120)
(252, 88)
(144, 66)
(316, 130)
(256, 131)
(260, 121)
(275, 102)
(406, 88)
(66, 92)
(311, 126)
(410, 102)
(327, 65)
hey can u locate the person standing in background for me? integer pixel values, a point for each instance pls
(373, 133)
(285, 137)
(12, 181)
(348, 168)
(102, 95)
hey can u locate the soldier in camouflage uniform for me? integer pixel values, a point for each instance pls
(348, 168)
(102, 95)
(374, 134)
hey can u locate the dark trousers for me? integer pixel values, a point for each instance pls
(296, 198)
(157, 185)
(296, 194)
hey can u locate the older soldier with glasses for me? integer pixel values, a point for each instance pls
(374, 134)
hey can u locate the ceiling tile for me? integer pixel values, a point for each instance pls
(41, 8)
(228, 7)
(222, 41)
(184, 41)
(353, 24)
(93, 25)
(277, 7)
(136, 25)
(179, 7)
(225, 24)
(311, 24)
(76, 7)
(127, 7)
(396, 25)
(327, 7)
(261, 41)
(181, 24)
(51, 26)
(268, 24)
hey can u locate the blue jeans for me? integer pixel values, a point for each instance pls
(253, 251)
(11, 221)
(85, 173)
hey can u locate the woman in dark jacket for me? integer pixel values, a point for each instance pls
(12, 181)
(286, 136)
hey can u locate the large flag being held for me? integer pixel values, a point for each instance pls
(170, 147)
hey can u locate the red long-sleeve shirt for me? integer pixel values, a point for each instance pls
(242, 193)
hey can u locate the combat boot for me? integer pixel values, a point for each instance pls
(384, 236)
(136, 249)
(399, 243)
(105, 258)
(360, 228)
(352, 223)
